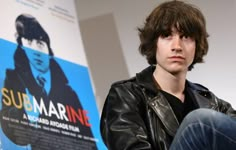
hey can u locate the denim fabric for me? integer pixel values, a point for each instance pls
(206, 129)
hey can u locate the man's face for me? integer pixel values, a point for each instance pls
(37, 53)
(175, 52)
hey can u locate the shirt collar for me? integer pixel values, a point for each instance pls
(46, 75)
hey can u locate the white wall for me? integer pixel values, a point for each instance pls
(218, 73)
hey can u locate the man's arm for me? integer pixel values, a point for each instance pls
(122, 125)
(226, 108)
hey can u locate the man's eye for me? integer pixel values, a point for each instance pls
(186, 37)
(40, 43)
(29, 42)
(165, 35)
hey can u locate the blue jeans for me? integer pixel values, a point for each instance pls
(206, 129)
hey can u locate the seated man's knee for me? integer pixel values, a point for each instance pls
(203, 115)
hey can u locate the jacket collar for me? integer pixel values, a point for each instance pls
(145, 79)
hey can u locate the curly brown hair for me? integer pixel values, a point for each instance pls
(186, 18)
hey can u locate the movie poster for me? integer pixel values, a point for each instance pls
(47, 100)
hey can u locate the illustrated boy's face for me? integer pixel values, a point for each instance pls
(37, 53)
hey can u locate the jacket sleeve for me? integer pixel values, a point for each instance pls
(226, 108)
(122, 125)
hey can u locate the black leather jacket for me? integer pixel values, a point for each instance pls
(136, 116)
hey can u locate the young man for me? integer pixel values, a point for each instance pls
(146, 111)
(38, 80)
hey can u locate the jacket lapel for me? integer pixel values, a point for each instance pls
(156, 101)
(204, 102)
(163, 110)
(203, 97)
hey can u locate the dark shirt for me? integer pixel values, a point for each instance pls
(181, 109)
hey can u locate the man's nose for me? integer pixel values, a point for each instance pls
(177, 43)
